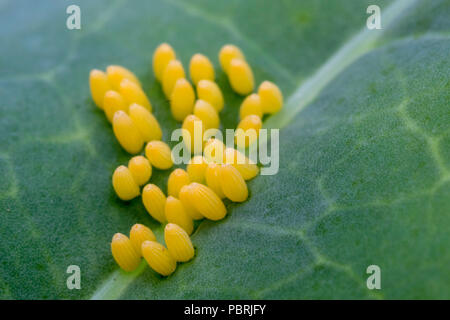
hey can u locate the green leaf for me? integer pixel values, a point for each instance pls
(364, 150)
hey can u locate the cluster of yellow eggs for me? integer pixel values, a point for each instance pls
(142, 243)
(217, 173)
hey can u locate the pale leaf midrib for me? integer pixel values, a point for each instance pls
(357, 46)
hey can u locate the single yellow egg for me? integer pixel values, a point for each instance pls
(228, 53)
(251, 106)
(186, 199)
(132, 93)
(177, 179)
(146, 123)
(140, 233)
(196, 169)
(127, 133)
(99, 84)
(140, 169)
(158, 258)
(172, 73)
(182, 99)
(241, 77)
(159, 154)
(124, 253)
(207, 113)
(214, 150)
(271, 97)
(112, 102)
(154, 201)
(209, 91)
(207, 202)
(117, 73)
(161, 58)
(213, 179)
(175, 213)
(193, 130)
(124, 184)
(248, 130)
(201, 68)
(178, 243)
(232, 183)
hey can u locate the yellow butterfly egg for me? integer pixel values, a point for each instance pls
(248, 130)
(213, 179)
(271, 97)
(171, 74)
(207, 202)
(177, 179)
(251, 106)
(98, 83)
(241, 77)
(124, 253)
(158, 258)
(159, 154)
(193, 130)
(117, 73)
(209, 91)
(175, 213)
(186, 199)
(146, 122)
(140, 233)
(182, 99)
(201, 68)
(132, 93)
(247, 168)
(232, 183)
(214, 151)
(124, 184)
(140, 169)
(112, 102)
(154, 201)
(161, 58)
(250, 122)
(196, 169)
(228, 53)
(127, 133)
(207, 113)
(178, 243)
